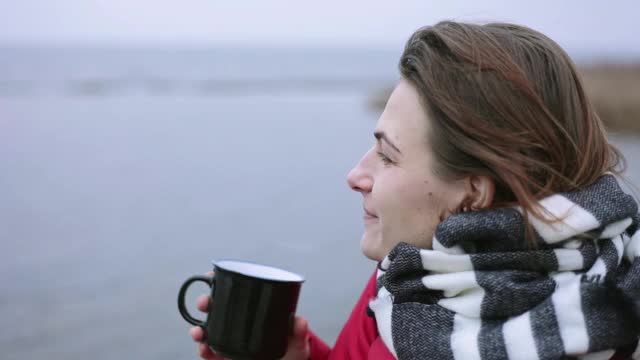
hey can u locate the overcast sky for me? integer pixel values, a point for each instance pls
(585, 25)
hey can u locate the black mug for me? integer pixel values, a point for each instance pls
(252, 312)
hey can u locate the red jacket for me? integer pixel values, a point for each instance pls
(359, 338)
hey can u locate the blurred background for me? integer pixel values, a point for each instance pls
(141, 139)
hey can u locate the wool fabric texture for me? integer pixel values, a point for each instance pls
(484, 293)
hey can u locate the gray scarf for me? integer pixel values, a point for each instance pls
(481, 293)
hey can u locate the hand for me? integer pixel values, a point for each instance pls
(297, 349)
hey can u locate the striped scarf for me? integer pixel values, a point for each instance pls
(482, 293)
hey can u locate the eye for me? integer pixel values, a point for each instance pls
(384, 158)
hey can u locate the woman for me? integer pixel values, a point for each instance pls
(490, 203)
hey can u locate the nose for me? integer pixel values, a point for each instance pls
(359, 178)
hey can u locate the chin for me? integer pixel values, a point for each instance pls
(371, 248)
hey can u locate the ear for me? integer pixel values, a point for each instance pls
(480, 191)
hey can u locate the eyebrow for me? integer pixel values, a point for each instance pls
(380, 135)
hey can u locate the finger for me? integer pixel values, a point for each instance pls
(207, 354)
(197, 334)
(300, 332)
(203, 302)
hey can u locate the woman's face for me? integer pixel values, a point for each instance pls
(403, 201)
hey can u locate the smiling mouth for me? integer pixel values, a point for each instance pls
(367, 212)
(368, 218)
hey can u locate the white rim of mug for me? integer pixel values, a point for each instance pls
(301, 278)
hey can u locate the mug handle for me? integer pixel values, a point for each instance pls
(209, 280)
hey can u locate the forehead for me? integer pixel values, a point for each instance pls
(404, 118)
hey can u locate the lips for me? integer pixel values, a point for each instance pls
(369, 219)
(368, 213)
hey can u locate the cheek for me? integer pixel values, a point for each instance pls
(421, 198)
(411, 212)
(424, 212)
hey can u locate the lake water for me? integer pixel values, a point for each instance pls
(125, 172)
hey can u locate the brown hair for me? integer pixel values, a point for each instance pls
(505, 101)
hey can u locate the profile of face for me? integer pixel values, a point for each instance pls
(403, 200)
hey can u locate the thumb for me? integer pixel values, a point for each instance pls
(298, 348)
(300, 332)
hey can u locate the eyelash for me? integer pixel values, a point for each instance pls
(384, 158)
